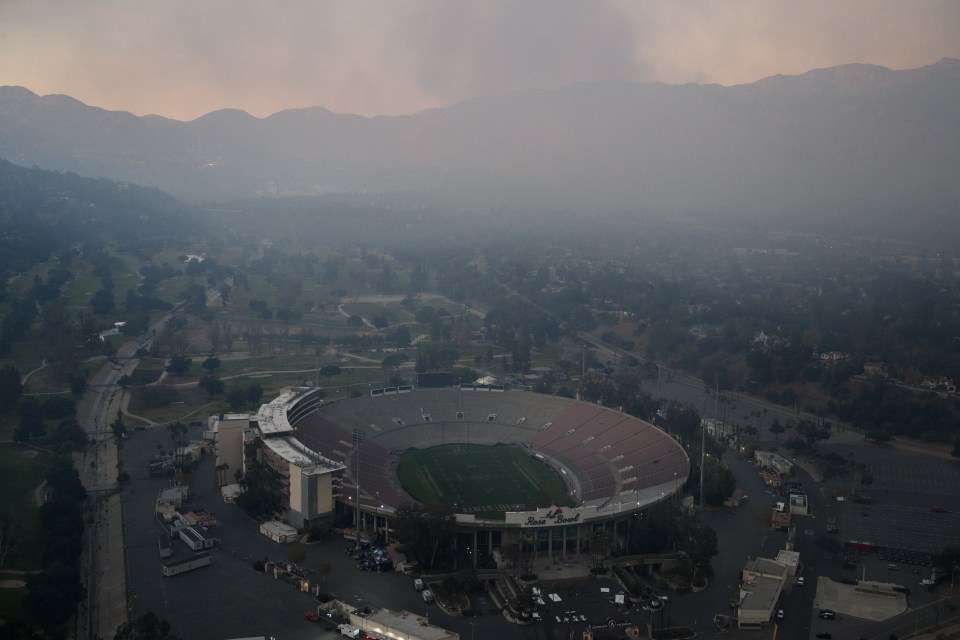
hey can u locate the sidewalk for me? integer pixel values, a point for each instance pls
(569, 568)
(945, 633)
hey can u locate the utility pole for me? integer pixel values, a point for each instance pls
(658, 384)
(703, 456)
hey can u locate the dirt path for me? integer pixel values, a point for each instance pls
(26, 376)
(14, 583)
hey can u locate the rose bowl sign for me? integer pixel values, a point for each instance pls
(544, 517)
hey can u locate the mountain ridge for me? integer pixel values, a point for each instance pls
(853, 140)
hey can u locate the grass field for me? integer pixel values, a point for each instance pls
(22, 475)
(11, 600)
(482, 480)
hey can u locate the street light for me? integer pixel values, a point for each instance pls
(358, 436)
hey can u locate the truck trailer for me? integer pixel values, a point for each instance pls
(187, 564)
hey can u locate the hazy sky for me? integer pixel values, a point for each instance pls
(184, 58)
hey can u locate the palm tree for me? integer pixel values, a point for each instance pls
(222, 472)
(525, 539)
(600, 546)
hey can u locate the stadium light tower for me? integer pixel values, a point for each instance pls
(358, 436)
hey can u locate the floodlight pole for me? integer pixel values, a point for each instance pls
(177, 443)
(703, 455)
(358, 436)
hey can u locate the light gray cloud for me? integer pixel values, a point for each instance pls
(183, 58)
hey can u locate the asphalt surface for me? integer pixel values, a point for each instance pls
(230, 600)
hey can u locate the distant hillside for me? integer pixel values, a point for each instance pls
(854, 146)
(42, 212)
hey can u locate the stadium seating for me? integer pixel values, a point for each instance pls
(608, 452)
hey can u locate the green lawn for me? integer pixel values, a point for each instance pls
(148, 371)
(482, 480)
(235, 367)
(78, 291)
(21, 476)
(369, 310)
(27, 355)
(11, 600)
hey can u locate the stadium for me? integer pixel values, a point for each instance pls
(333, 456)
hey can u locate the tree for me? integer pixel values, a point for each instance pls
(31, 421)
(237, 398)
(195, 299)
(355, 322)
(581, 318)
(428, 532)
(697, 545)
(177, 430)
(214, 334)
(776, 429)
(102, 302)
(211, 384)
(380, 321)
(64, 482)
(11, 387)
(878, 435)
(400, 336)
(434, 355)
(719, 482)
(324, 569)
(297, 553)
(9, 537)
(179, 364)
(685, 422)
(393, 362)
(222, 469)
(261, 498)
(329, 371)
(119, 429)
(69, 436)
(947, 559)
(53, 594)
(146, 627)
(599, 546)
(254, 393)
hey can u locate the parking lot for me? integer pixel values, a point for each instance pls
(911, 503)
(230, 600)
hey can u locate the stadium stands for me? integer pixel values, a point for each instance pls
(608, 452)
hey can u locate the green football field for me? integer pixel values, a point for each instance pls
(482, 480)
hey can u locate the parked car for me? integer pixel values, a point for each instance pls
(827, 614)
(780, 614)
(311, 616)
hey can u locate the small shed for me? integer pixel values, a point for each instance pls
(279, 532)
